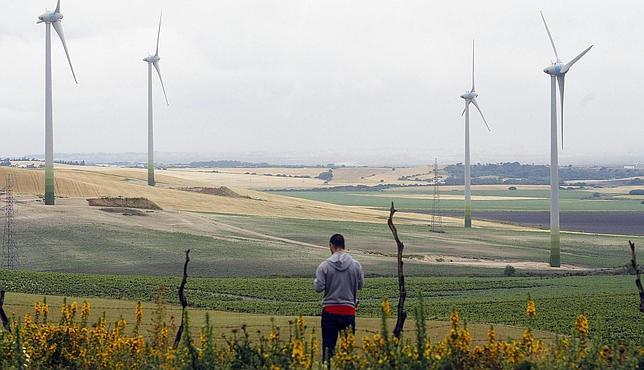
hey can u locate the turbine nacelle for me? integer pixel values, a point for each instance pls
(555, 69)
(469, 95)
(49, 17)
(152, 59)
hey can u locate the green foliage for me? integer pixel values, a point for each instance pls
(326, 176)
(509, 270)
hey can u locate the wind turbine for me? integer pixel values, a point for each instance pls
(51, 19)
(153, 61)
(469, 97)
(557, 71)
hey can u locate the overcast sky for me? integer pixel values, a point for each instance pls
(361, 81)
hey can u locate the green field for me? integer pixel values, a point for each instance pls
(570, 200)
(611, 302)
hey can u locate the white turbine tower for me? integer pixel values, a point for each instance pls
(557, 71)
(469, 97)
(153, 60)
(51, 19)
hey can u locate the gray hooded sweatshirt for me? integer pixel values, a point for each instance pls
(339, 277)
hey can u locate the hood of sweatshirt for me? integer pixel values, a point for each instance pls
(340, 261)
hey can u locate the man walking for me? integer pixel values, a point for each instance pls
(339, 277)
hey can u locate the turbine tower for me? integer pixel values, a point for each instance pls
(557, 71)
(153, 60)
(51, 19)
(469, 97)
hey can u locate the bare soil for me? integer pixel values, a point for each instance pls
(124, 211)
(141, 203)
(221, 191)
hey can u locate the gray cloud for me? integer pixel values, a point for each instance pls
(359, 81)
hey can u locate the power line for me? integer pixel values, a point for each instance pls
(9, 247)
(436, 220)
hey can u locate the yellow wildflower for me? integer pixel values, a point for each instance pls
(565, 343)
(491, 335)
(297, 353)
(300, 324)
(85, 310)
(582, 325)
(386, 307)
(453, 318)
(120, 325)
(531, 309)
(139, 312)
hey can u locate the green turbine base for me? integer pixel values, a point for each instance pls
(50, 197)
(555, 249)
(151, 181)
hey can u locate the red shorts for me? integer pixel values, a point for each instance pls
(340, 310)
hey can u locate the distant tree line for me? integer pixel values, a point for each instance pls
(517, 173)
(73, 163)
(241, 164)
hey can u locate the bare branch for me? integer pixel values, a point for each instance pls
(638, 281)
(402, 292)
(3, 315)
(182, 299)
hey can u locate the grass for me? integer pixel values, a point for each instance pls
(102, 248)
(18, 304)
(109, 249)
(112, 249)
(611, 302)
(592, 250)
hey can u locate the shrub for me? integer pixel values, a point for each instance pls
(509, 270)
(326, 176)
(36, 342)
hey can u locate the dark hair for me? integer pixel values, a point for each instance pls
(337, 240)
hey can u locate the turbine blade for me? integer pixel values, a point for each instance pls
(561, 79)
(574, 60)
(464, 109)
(472, 65)
(59, 30)
(58, 7)
(479, 109)
(158, 34)
(156, 66)
(550, 36)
